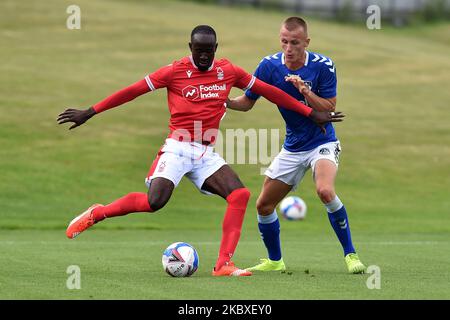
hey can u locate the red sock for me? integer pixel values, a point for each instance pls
(132, 202)
(232, 224)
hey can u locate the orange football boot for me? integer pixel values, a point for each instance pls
(81, 222)
(229, 269)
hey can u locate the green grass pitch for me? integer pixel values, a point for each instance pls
(394, 175)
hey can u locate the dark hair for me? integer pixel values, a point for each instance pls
(203, 29)
(293, 23)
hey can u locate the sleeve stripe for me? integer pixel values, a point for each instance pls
(250, 84)
(149, 83)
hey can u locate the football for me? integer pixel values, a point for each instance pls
(293, 208)
(180, 259)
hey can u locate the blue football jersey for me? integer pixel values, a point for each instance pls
(319, 73)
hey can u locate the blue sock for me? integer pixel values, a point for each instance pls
(339, 221)
(269, 227)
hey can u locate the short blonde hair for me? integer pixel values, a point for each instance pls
(293, 23)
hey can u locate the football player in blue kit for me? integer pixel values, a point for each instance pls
(311, 78)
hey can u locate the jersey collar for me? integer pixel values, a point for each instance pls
(192, 62)
(306, 58)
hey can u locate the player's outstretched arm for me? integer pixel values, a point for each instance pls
(241, 103)
(120, 97)
(280, 97)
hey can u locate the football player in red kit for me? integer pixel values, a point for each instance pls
(197, 90)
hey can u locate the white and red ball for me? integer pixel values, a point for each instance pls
(293, 208)
(180, 259)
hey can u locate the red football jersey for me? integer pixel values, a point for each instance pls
(196, 99)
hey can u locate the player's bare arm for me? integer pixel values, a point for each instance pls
(241, 103)
(314, 101)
